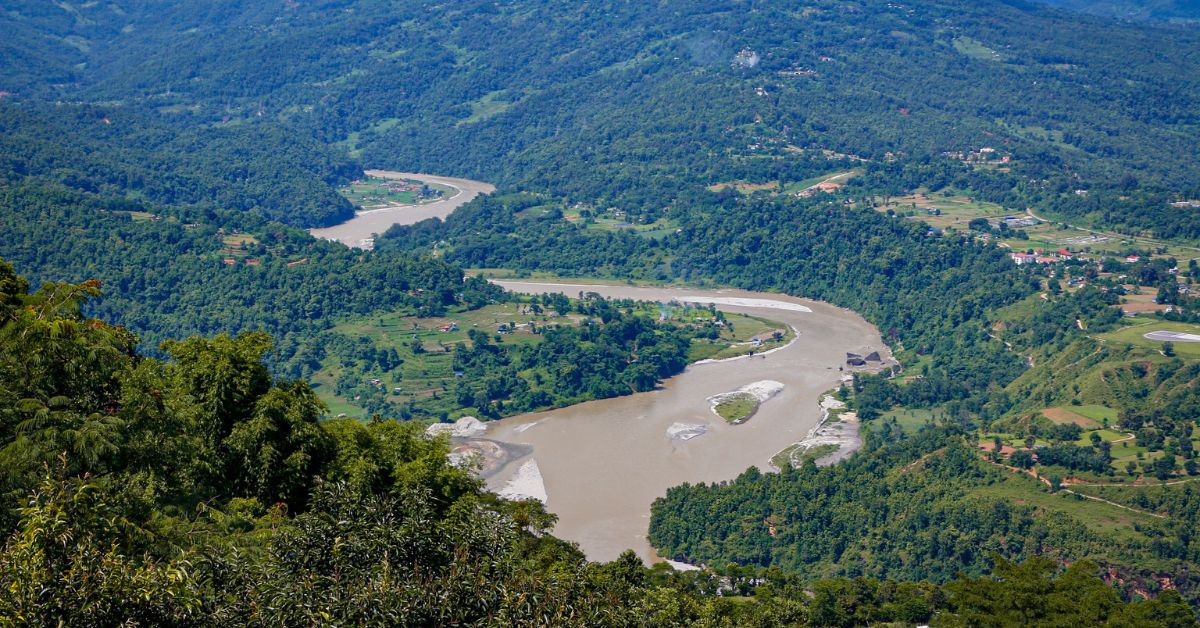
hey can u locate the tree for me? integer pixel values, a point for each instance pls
(1031, 594)
(67, 564)
(276, 453)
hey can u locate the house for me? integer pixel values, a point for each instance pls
(1132, 259)
(1046, 260)
(1022, 258)
(376, 382)
(229, 260)
(1065, 254)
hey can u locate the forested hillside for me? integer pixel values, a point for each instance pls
(166, 277)
(632, 104)
(1185, 12)
(261, 168)
(202, 492)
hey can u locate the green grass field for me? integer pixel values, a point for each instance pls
(1135, 335)
(613, 221)
(1096, 413)
(736, 408)
(487, 106)
(977, 50)
(909, 419)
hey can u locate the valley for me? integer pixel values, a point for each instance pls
(381, 312)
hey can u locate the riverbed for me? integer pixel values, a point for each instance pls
(603, 463)
(360, 231)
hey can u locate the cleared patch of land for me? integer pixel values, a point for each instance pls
(1136, 336)
(1097, 516)
(1063, 416)
(977, 50)
(800, 454)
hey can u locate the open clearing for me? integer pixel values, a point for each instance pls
(1063, 416)
(1097, 516)
(1136, 335)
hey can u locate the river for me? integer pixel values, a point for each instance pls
(603, 463)
(359, 232)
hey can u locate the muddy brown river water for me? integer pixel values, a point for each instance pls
(603, 463)
(599, 465)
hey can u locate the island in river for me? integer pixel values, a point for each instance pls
(360, 231)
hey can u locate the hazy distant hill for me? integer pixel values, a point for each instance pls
(542, 94)
(1177, 11)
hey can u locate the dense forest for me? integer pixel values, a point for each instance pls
(1176, 11)
(202, 491)
(631, 105)
(165, 276)
(267, 169)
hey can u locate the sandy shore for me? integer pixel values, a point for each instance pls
(839, 429)
(526, 483)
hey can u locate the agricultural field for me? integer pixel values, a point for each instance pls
(236, 245)
(424, 349)
(425, 345)
(828, 182)
(910, 420)
(949, 210)
(1087, 417)
(372, 192)
(1099, 517)
(1123, 447)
